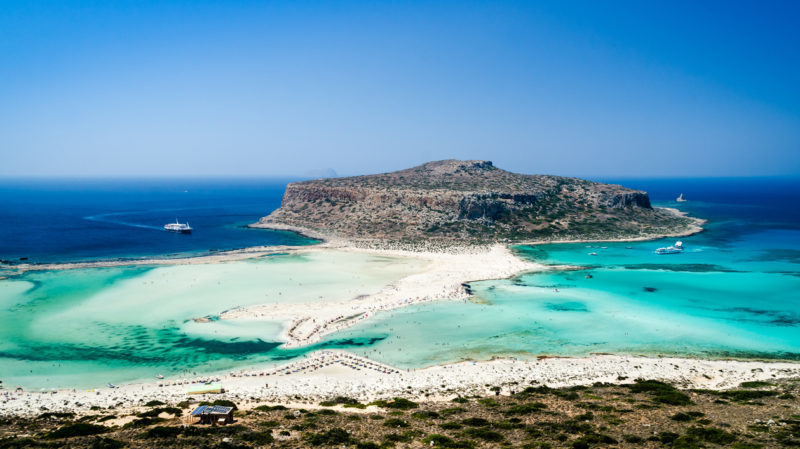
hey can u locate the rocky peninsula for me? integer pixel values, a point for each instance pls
(471, 202)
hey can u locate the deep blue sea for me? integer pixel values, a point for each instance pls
(76, 220)
(734, 291)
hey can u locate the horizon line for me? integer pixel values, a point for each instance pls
(133, 177)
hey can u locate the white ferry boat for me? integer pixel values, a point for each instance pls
(183, 228)
(674, 249)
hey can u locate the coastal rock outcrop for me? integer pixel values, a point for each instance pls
(469, 200)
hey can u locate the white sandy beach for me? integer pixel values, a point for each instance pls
(327, 374)
(442, 279)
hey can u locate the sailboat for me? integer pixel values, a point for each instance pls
(681, 199)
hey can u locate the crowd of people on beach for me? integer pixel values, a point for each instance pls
(199, 380)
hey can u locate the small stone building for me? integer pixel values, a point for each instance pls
(213, 414)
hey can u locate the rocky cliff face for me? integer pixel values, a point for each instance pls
(468, 200)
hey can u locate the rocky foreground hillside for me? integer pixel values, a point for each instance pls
(639, 414)
(471, 201)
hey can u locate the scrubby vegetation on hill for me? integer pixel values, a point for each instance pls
(471, 201)
(645, 413)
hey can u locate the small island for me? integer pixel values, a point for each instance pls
(471, 202)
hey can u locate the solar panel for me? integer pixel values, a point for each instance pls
(211, 410)
(218, 409)
(198, 410)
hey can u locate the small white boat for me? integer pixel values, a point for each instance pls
(680, 198)
(592, 254)
(182, 228)
(159, 376)
(677, 248)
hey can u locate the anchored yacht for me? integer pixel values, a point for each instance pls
(677, 248)
(183, 228)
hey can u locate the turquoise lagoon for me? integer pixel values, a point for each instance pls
(703, 303)
(87, 327)
(734, 292)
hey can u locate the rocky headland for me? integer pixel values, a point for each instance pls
(469, 202)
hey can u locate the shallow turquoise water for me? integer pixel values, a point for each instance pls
(734, 292)
(91, 326)
(725, 296)
(689, 313)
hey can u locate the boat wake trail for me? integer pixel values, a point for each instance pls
(109, 218)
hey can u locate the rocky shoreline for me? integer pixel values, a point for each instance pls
(462, 203)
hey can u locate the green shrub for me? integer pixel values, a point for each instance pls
(77, 430)
(157, 411)
(755, 384)
(525, 409)
(591, 439)
(405, 437)
(331, 437)
(339, 400)
(484, 434)
(367, 445)
(163, 432)
(667, 437)
(634, 439)
(395, 422)
(437, 440)
(660, 392)
(426, 414)
(259, 438)
(269, 408)
(143, 422)
(105, 443)
(488, 402)
(401, 404)
(56, 415)
(711, 435)
(746, 395)
(452, 411)
(537, 445)
(475, 422)
(681, 417)
(446, 442)
(741, 445)
(154, 403)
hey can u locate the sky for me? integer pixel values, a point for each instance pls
(262, 88)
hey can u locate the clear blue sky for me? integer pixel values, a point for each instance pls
(594, 88)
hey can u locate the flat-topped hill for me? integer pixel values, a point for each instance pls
(471, 201)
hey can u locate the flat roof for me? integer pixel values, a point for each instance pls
(211, 410)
